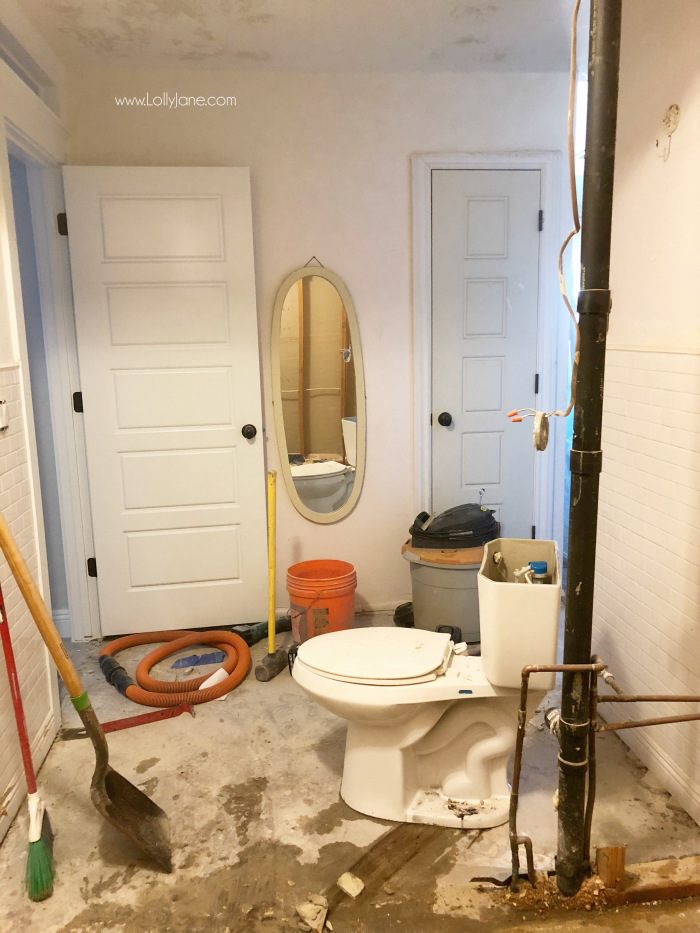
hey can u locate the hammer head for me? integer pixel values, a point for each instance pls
(271, 665)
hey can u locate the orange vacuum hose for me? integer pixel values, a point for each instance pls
(162, 693)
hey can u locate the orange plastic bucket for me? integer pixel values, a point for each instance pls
(321, 597)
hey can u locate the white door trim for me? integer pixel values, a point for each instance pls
(46, 198)
(552, 332)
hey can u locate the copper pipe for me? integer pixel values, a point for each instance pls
(648, 698)
(607, 676)
(634, 724)
(515, 839)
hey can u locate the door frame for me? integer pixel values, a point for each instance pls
(552, 324)
(60, 343)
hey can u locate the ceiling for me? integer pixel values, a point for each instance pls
(310, 35)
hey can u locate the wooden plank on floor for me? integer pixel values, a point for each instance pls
(658, 881)
(610, 864)
(390, 853)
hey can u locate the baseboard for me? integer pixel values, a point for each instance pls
(62, 621)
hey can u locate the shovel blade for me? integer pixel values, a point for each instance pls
(121, 803)
(133, 813)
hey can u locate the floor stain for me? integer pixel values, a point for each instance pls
(146, 764)
(244, 803)
(325, 821)
(149, 786)
(234, 897)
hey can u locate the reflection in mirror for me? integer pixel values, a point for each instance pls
(318, 391)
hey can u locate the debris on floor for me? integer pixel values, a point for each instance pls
(253, 785)
(545, 895)
(313, 913)
(351, 884)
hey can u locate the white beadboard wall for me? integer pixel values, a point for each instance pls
(35, 675)
(647, 607)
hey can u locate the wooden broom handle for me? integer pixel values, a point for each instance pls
(40, 613)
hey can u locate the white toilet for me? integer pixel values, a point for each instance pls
(323, 486)
(429, 737)
(326, 485)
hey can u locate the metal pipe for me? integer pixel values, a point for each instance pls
(648, 698)
(607, 676)
(515, 839)
(586, 454)
(636, 723)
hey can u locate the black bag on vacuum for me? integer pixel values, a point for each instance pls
(463, 526)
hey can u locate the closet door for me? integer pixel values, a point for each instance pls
(486, 243)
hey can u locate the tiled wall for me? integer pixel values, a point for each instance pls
(647, 611)
(31, 657)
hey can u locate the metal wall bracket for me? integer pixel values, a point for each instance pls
(586, 461)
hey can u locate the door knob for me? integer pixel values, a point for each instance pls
(249, 431)
(445, 419)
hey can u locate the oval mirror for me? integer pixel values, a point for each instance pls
(318, 394)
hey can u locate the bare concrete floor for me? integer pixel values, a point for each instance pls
(251, 787)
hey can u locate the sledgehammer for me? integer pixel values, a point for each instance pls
(274, 661)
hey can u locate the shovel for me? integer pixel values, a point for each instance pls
(118, 800)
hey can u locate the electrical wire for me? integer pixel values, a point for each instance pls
(517, 414)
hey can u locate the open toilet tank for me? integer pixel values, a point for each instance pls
(429, 732)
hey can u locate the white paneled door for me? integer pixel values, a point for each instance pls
(485, 275)
(162, 267)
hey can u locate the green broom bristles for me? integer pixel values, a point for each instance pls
(39, 875)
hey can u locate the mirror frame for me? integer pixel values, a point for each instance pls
(324, 518)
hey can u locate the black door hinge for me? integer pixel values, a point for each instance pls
(62, 224)
(537, 383)
(78, 402)
(91, 567)
(534, 532)
(540, 222)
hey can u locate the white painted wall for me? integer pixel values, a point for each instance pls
(656, 241)
(648, 587)
(330, 163)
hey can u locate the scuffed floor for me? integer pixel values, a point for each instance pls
(251, 788)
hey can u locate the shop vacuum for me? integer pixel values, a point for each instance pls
(445, 552)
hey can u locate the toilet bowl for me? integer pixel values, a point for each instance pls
(429, 737)
(323, 486)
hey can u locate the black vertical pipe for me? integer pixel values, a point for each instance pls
(586, 453)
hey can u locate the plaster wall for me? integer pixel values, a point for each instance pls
(330, 164)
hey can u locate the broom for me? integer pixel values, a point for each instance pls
(39, 873)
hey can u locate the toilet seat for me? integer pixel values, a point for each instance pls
(390, 657)
(321, 468)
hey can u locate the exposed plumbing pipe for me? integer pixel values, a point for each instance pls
(647, 698)
(554, 721)
(607, 676)
(635, 723)
(586, 453)
(515, 839)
